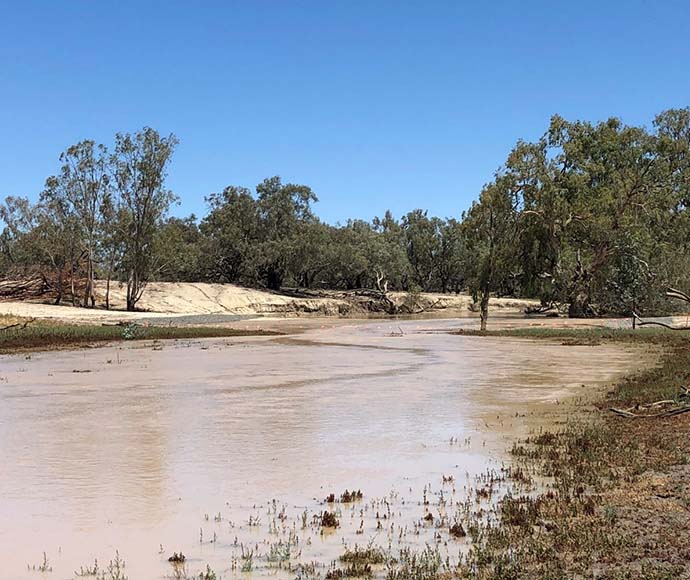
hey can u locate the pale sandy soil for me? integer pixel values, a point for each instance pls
(201, 298)
(165, 299)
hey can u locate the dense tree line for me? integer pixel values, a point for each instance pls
(591, 217)
(99, 216)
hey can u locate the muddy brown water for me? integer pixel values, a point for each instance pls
(153, 449)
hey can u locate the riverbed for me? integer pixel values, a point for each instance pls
(228, 447)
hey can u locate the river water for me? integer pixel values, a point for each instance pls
(150, 449)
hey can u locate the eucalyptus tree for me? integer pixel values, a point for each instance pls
(283, 211)
(673, 229)
(112, 241)
(348, 265)
(600, 203)
(451, 256)
(423, 246)
(308, 250)
(19, 217)
(179, 250)
(77, 195)
(614, 184)
(389, 256)
(229, 231)
(264, 239)
(139, 165)
(40, 237)
(491, 229)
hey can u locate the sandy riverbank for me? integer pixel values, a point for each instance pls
(167, 299)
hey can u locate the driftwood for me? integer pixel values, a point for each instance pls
(629, 414)
(22, 288)
(66, 284)
(368, 299)
(670, 293)
(641, 322)
(541, 309)
(678, 294)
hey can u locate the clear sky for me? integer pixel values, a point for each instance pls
(374, 104)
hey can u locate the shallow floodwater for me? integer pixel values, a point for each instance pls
(152, 449)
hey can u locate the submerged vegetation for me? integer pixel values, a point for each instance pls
(346, 497)
(329, 520)
(599, 497)
(617, 505)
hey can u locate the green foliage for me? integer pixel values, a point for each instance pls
(491, 231)
(99, 215)
(425, 565)
(139, 166)
(590, 217)
(179, 247)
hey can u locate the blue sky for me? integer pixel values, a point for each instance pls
(374, 104)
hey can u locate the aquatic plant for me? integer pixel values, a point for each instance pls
(410, 565)
(352, 571)
(207, 574)
(457, 531)
(345, 497)
(247, 561)
(88, 570)
(43, 566)
(329, 520)
(115, 569)
(350, 496)
(370, 555)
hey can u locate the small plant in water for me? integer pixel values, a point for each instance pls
(329, 520)
(115, 569)
(424, 565)
(350, 496)
(346, 497)
(88, 570)
(371, 555)
(247, 561)
(43, 566)
(457, 531)
(207, 574)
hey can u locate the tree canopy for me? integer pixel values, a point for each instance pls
(592, 218)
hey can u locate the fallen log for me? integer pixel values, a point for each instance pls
(628, 413)
(641, 322)
(677, 294)
(670, 413)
